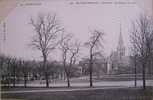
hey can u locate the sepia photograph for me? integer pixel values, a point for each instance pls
(76, 49)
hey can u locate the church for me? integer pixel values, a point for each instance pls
(118, 61)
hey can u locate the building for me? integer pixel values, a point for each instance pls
(118, 62)
(99, 66)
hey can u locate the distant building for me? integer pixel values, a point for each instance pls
(118, 62)
(99, 66)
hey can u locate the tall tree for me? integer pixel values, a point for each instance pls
(47, 30)
(25, 69)
(142, 41)
(134, 63)
(4, 69)
(70, 50)
(74, 51)
(14, 70)
(134, 55)
(94, 42)
(8, 62)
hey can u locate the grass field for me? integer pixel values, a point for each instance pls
(102, 94)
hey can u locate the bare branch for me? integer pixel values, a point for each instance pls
(47, 30)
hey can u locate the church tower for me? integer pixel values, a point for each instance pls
(121, 47)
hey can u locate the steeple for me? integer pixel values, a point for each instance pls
(121, 47)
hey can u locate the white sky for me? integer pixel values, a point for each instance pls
(78, 19)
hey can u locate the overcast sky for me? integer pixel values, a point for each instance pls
(78, 19)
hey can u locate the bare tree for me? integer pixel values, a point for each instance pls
(134, 55)
(74, 51)
(94, 42)
(142, 42)
(25, 70)
(70, 52)
(14, 70)
(8, 70)
(45, 40)
(64, 47)
(4, 69)
(134, 58)
(8, 62)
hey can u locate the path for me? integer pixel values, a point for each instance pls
(81, 86)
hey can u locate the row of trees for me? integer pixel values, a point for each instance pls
(142, 45)
(13, 69)
(18, 71)
(50, 36)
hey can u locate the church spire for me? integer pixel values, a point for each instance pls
(120, 42)
(121, 47)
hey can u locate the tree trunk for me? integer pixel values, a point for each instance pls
(68, 81)
(135, 81)
(144, 78)
(47, 80)
(90, 68)
(25, 81)
(135, 72)
(9, 82)
(45, 70)
(14, 74)
(91, 77)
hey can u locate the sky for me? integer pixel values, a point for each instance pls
(77, 17)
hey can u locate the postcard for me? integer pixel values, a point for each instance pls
(76, 49)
